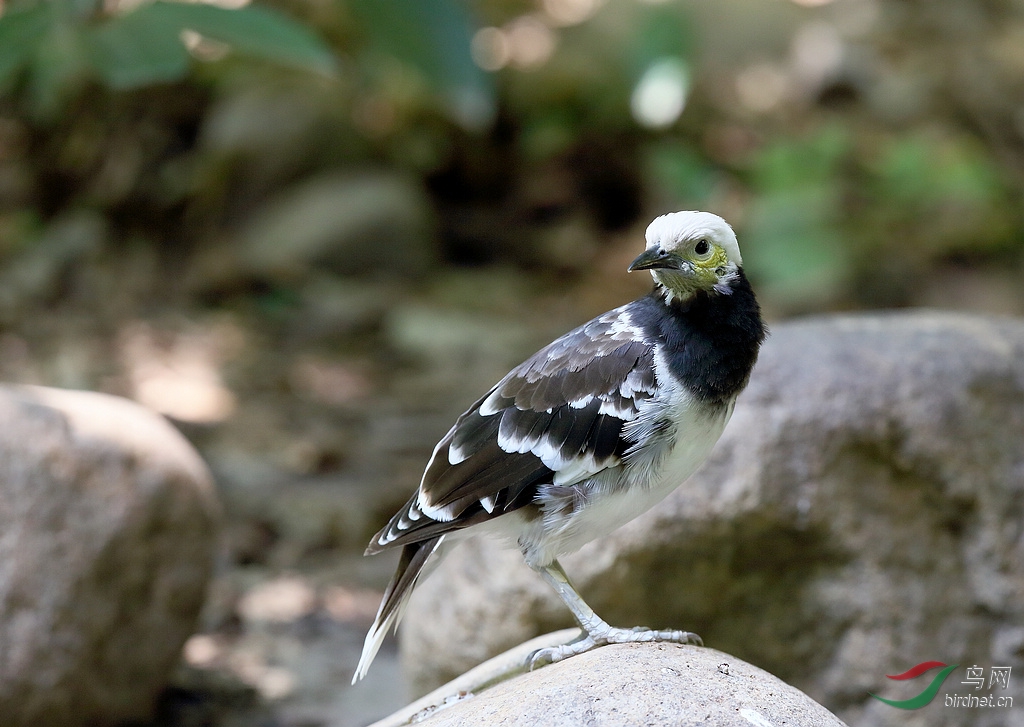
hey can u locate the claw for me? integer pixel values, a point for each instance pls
(594, 631)
(609, 635)
(539, 658)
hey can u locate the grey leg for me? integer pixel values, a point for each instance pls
(596, 631)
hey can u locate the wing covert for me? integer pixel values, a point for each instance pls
(557, 418)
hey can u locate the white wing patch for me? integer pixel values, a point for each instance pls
(510, 442)
(579, 468)
(405, 521)
(622, 326)
(456, 455)
(620, 409)
(420, 503)
(632, 384)
(492, 404)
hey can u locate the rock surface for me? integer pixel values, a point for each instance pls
(628, 684)
(107, 533)
(337, 222)
(862, 514)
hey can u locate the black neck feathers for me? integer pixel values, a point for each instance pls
(710, 340)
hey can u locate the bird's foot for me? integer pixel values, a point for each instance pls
(605, 636)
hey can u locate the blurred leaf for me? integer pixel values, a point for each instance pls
(20, 34)
(434, 36)
(903, 172)
(59, 65)
(60, 45)
(663, 30)
(795, 162)
(547, 133)
(682, 173)
(145, 45)
(255, 31)
(945, 193)
(139, 48)
(795, 244)
(924, 171)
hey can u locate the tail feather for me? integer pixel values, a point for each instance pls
(396, 598)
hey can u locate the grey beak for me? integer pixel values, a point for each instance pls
(652, 258)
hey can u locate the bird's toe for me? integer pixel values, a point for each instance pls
(639, 634)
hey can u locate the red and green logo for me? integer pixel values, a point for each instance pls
(929, 692)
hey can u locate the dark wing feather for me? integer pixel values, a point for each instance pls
(556, 418)
(470, 434)
(457, 487)
(574, 430)
(603, 439)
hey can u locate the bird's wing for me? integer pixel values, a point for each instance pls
(556, 418)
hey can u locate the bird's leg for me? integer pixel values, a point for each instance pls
(596, 631)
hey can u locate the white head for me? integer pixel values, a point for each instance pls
(690, 251)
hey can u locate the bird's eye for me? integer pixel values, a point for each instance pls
(702, 247)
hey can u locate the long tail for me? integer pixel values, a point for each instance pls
(396, 598)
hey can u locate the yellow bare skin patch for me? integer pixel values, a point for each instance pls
(704, 273)
(719, 258)
(706, 270)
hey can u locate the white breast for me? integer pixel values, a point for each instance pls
(674, 433)
(649, 478)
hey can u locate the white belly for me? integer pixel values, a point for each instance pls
(619, 495)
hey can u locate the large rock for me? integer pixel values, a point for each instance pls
(624, 684)
(367, 222)
(864, 512)
(107, 532)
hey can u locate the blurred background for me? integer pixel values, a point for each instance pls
(311, 232)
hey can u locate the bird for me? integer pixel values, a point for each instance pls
(591, 431)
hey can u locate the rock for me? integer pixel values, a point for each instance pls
(303, 514)
(370, 222)
(107, 536)
(623, 684)
(861, 514)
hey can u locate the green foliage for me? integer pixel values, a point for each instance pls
(944, 191)
(793, 242)
(662, 31)
(922, 172)
(433, 37)
(681, 173)
(802, 162)
(835, 206)
(55, 44)
(138, 49)
(584, 89)
(827, 211)
(21, 31)
(257, 31)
